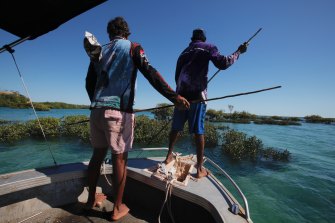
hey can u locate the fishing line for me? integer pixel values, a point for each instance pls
(11, 51)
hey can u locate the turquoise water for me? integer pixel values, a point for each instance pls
(28, 114)
(297, 191)
(11, 114)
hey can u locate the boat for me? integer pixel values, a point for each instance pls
(58, 194)
(154, 192)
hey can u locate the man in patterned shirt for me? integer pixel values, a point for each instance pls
(110, 84)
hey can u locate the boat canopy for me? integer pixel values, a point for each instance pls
(30, 19)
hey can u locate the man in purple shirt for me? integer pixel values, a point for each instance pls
(191, 79)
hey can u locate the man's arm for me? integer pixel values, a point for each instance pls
(91, 80)
(154, 77)
(223, 62)
(220, 61)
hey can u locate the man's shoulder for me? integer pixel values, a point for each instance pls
(206, 45)
(135, 44)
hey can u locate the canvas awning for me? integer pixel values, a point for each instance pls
(29, 19)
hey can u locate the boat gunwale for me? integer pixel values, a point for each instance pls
(71, 171)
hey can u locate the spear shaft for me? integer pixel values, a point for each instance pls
(195, 101)
(212, 99)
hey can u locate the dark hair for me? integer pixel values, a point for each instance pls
(118, 27)
(198, 34)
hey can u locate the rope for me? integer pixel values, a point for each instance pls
(170, 178)
(30, 217)
(169, 204)
(11, 51)
(104, 173)
(167, 201)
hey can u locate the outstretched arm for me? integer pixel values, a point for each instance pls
(155, 78)
(223, 62)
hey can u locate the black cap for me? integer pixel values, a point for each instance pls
(199, 34)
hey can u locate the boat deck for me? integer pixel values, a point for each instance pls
(204, 192)
(55, 195)
(74, 213)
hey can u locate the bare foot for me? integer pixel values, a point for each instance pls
(202, 172)
(168, 158)
(98, 199)
(120, 212)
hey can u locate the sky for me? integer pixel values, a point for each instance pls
(294, 50)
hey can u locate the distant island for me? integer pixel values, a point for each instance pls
(14, 99)
(243, 117)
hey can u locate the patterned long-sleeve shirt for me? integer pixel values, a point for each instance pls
(192, 68)
(111, 82)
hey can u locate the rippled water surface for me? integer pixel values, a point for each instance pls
(301, 190)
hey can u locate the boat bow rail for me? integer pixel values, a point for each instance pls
(244, 210)
(245, 201)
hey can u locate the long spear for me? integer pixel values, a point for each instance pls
(212, 99)
(195, 101)
(247, 43)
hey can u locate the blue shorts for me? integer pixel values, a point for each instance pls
(195, 117)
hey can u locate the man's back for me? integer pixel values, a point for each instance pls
(192, 68)
(116, 68)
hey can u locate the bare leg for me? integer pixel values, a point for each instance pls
(172, 141)
(93, 173)
(119, 182)
(200, 144)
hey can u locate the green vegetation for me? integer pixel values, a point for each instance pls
(53, 127)
(50, 126)
(14, 99)
(69, 129)
(275, 121)
(163, 113)
(61, 105)
(146, 130)
(4, 122)
(235, 117)
(239, 146)
(13, 132)
(246, 118)
(235, 144)
(318, 119)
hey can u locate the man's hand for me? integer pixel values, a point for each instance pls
(243, 47)
(181, 103)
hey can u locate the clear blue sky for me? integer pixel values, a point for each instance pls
(295, 49)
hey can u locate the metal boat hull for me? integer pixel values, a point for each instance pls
(26, 194)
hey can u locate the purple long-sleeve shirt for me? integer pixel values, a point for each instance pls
(192, 68)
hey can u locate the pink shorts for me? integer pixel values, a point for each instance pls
(112, 128)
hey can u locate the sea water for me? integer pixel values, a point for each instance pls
(301, 190)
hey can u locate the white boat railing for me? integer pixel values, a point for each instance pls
(245, 201)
